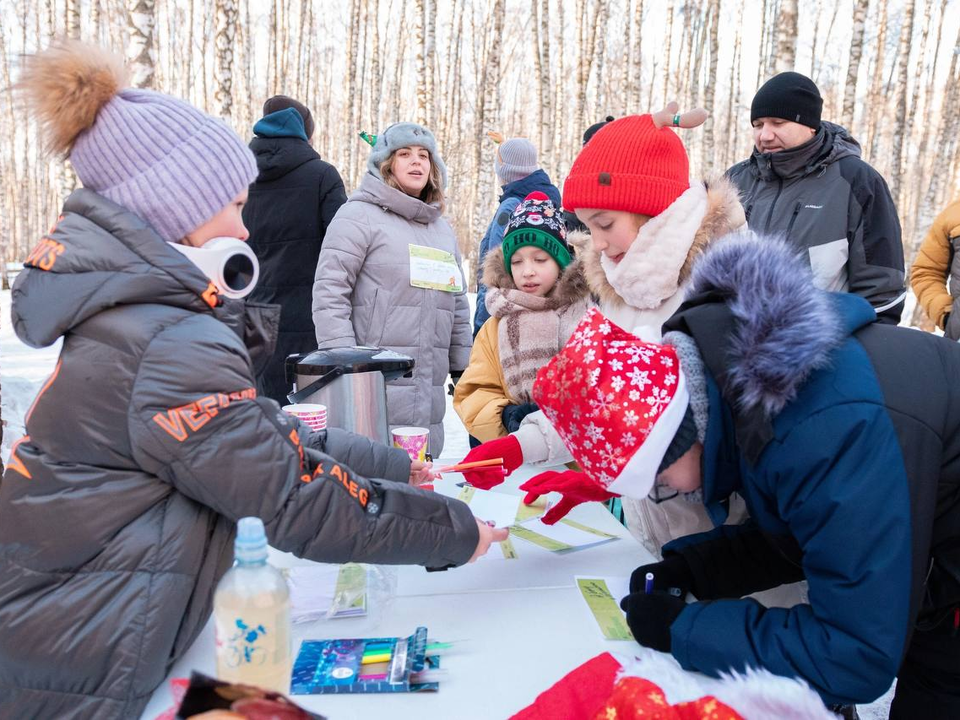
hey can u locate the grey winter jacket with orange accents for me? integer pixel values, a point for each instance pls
(118, 509)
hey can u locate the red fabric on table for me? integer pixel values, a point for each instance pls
(577, 695)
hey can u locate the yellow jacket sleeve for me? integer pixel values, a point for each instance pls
(931, 268)
(481, 392)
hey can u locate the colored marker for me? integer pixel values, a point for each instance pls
(377, 648)
(648, 584)
(373, 678)
(378, 658)
(435, 648)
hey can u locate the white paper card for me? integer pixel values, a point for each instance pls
(566, 535)
(498, 508)
(434, 269)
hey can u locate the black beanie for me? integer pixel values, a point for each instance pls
(592, 130)
(789, 96)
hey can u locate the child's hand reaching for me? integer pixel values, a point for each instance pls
(488, 536)
(421, 473)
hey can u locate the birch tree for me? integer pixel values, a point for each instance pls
(226, 11)
(903, 58)
(708, 100)
(421, 10)
(72, 18)
(546, 88)
(636, 57)
(860, 8)
(141, 55)
(787, 36)
(874, 99)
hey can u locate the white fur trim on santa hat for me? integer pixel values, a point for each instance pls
(756, 694)
(638, 475)
(649, 272)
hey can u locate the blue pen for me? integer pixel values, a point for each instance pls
(648, 585)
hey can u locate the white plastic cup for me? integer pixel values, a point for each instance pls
(313, 414)
(414, 440)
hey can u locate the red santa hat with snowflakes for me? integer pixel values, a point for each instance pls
(620, 404)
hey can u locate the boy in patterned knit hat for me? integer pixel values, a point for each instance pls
(536, 294)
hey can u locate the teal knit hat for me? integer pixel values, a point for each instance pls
(537, 222)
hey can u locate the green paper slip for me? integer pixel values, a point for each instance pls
(605, 609)
(593, 531)
(527, 512)
(506, 547)
(466, 494)
(537, 539)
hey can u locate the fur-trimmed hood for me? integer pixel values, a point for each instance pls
(571, 286)
(724, 215)
(784, 328)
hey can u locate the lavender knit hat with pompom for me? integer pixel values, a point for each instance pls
(167, 162)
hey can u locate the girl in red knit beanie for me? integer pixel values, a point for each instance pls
(648, 225)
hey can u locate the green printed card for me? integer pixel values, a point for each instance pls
(604, 605)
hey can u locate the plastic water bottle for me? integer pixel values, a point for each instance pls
(251, 610)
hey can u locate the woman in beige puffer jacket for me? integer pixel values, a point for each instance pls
(363, 292)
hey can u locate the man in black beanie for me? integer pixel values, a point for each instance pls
(805, 181)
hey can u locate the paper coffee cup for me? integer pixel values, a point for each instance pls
(414, 440)
(313, 414)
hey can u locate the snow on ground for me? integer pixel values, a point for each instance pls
(23, 370)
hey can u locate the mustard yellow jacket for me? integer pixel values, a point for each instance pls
(932, 268)
(481, 393)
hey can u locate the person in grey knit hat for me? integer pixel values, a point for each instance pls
(404, 134)
(515, 159)
(519, 174)
(373, 287)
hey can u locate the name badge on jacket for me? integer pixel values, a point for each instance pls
(434, 269)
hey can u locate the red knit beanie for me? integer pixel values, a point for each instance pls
(631, 165)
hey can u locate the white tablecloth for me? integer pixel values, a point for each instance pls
(522, 623)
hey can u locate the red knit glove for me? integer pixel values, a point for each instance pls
(485, 478)
(574, 486)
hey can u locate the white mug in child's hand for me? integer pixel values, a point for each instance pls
(414, 440)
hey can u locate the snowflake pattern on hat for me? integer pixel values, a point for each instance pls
(606, 393)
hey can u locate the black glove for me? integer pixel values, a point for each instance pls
(511, 415)
(650, 617)
(455, 378)
(671, 576)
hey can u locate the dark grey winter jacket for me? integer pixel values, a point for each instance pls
(834, 207)
(118, 509)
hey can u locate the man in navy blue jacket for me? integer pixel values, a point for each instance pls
(843, 437)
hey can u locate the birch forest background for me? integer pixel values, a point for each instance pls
(889, 71)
